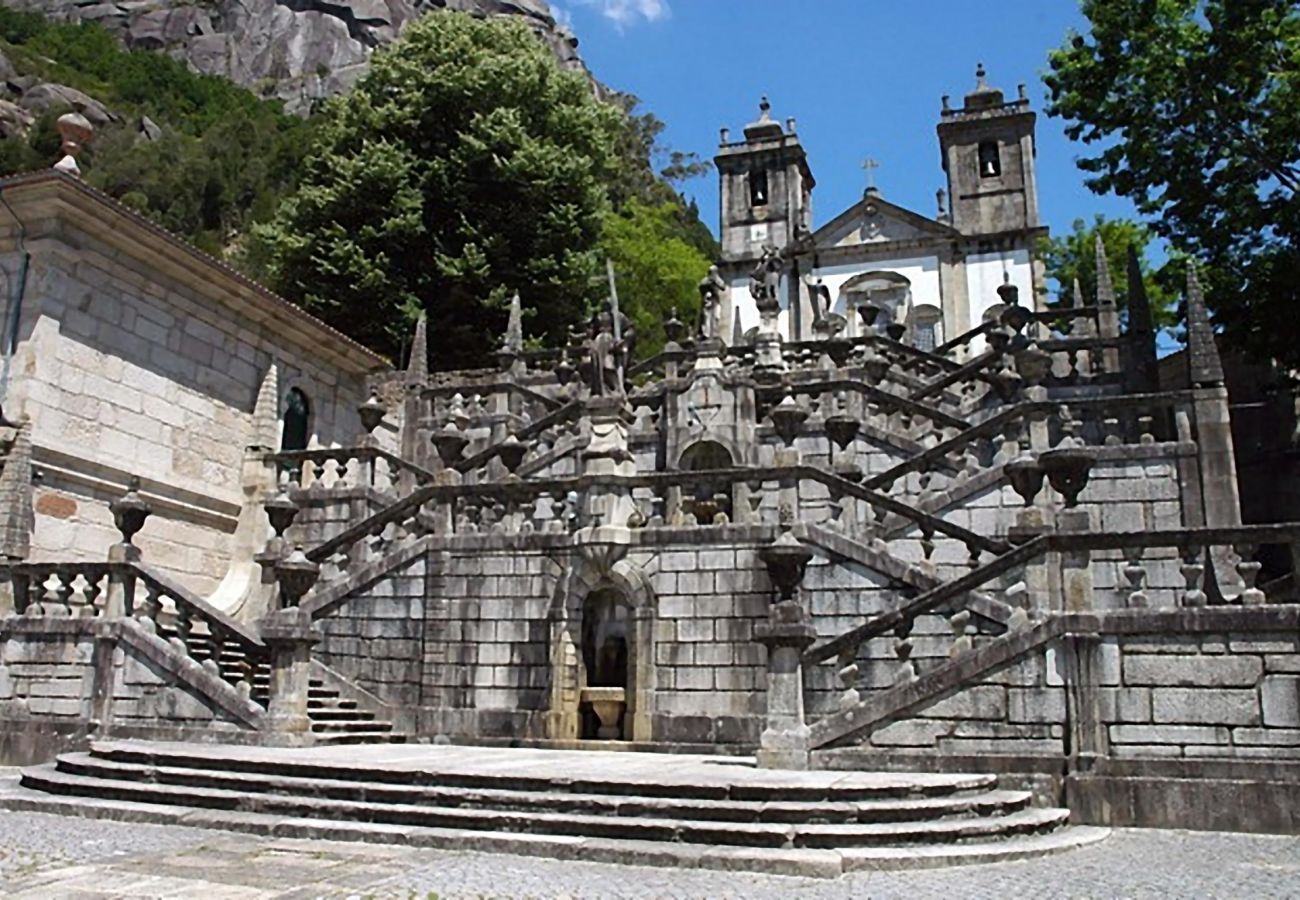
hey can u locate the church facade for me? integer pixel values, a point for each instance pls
(930, 278)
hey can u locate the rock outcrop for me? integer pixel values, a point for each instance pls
(297, 50)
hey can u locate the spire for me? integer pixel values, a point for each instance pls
(1204, 366)
(1105, 286)
(514, 342)
(1076, 294)
(1142, 371)
(417, 367)
(266, 410)
(737, 333)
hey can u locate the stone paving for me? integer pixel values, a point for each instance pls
(48, 857)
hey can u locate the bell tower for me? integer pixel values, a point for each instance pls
(988, 154)
(765, 188)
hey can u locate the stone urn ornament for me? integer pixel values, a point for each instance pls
(75, 132)
(371, 412)
(296, 574)
(130, 511)
(788, 418)
(450, 442)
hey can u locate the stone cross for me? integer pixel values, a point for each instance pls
(870, 165)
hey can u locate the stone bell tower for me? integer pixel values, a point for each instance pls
(765, 188)
(988, 153)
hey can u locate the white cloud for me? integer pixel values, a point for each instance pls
(625, 13)
(562, 16)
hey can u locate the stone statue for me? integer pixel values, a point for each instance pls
(609, 355)
(819, 297)
(711, 288)
(765, 281)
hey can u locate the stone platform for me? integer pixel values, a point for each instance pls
(642, 808)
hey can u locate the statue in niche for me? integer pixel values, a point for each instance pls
(711, 288)
(609, 354)
(765, 281)
(819, 297)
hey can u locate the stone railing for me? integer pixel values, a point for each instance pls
(339, 468)
(1094, 421)
(1195, 551)
(114, 590)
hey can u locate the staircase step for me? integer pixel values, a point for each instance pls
(777, 788)
(752, 834)
(989, 804)
(350, 724)
(331, 714)
(332, 704)
(329, 738)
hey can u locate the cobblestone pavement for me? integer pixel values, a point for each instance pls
(43, 856)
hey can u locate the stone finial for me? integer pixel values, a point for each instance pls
(1204, 365)
(1105, 286)
(514, 340)
(1141, 370)
(737, 332)
(764, 109)
(981, 77)
(1076, 294)
(266, 410)
(75, 131)
(417, 367)
(724, 136)
(941, 201)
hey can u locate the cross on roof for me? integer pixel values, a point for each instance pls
(870, 165)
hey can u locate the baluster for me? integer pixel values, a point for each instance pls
(148, 609)
(185, 627)
(24, 603)
(1248, 570)
(1146, 429)
(1136, 574)
(1193, 571)
(927, 539)
(57, 595)
(848, 676)
(92, 591)
(973, 553)
(1114, 434)
(962, 640)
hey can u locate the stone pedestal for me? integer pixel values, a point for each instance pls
(119, 599)
(608, 454)
(289, 635)
(609, 704)
(784, 741)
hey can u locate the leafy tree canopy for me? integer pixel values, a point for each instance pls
(1073, 255)
(659, 271)
(1192, 108)
(465, 165)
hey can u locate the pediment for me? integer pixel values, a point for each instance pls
(874, 220)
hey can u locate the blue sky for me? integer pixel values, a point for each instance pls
(862, 77)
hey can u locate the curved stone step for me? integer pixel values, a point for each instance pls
(568, 824)
(992, 803)
(477, 767)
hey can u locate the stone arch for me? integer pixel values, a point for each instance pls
(588, 578)
(705, 499)
(890, 291)
(296, 420)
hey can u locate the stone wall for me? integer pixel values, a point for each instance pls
(138, 356)
(65, 680)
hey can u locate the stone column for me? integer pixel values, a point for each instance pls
(289, 635)
(1081, 672)
(784, 743)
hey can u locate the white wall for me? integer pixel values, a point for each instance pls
(922, 272)
(984, 275)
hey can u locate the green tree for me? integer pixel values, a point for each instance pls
(658, 271)
(465, 165)
(1074, 256)
(1192, 108)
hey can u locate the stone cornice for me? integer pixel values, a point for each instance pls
(58, 207)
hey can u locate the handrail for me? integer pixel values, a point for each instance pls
(529, 488)
(362, 453)
(1184, 537)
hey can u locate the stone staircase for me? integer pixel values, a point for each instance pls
(335, 719)
(615, 807)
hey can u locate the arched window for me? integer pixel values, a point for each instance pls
(990, 159)
(925, 327)
(297, 419)
(758, 187)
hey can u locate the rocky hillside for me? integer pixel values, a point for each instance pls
(297, 50)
